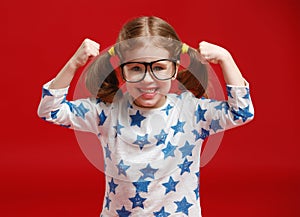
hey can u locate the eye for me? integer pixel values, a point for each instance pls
(136, 69)
(157, 68)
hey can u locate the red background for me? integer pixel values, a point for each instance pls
(256, 171)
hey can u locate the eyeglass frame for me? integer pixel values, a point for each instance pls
(146, 64)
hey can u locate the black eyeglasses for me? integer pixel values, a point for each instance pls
(163, 69)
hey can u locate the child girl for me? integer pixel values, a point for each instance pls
(151, 138)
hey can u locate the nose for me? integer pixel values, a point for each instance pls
(148, 77)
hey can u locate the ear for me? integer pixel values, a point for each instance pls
(177, 68)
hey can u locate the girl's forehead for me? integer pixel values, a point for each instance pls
(146, 52)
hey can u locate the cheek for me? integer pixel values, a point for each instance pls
(130, 88)
(165, 87)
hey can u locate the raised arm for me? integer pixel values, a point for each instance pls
(218, 55)
(87, 49)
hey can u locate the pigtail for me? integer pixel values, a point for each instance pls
(101, 79)
(194, 76)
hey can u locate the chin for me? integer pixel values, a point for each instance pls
(150, 103)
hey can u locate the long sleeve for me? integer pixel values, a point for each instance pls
(82, 114)
(214, 116)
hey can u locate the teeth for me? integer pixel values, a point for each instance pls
(148, 90)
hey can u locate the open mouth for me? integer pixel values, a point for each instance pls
(153, 90)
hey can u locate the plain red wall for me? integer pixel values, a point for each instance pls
(256, 171)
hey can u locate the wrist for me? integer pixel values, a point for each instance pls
(225, 58)
(72, 64)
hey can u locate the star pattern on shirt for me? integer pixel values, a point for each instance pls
(54, 114)
(122, 168)
(161, 137)
(228, 89)
(187, 149)
(65, 125)
(107, 152)
(107, 202)
(102, 118)
(199, 113)
(167, 109)
(161, 213)
(183, 206)
(148, 172)
(137, 119)
(141, 141)
(118, 127)
(170, 185)
(71, 105)
(185, 166)
(242, 113)
(178, 127)
(123, 212)
(80, 110)
(169, 150)
(137, 201)
(247, 95)
(215, 125)
(196, 191)
(98, 100)
(203, 135)
(221, 106)
(141, 186)
(46, 92)
(112, 186)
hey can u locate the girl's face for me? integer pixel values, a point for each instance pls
(149, 92)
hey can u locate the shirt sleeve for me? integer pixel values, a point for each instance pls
(214, 116)
(81, 114)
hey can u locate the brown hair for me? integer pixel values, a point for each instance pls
(102, 79)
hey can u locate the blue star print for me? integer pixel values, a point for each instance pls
(178, 127)
(54, 114)
(112, 186)
(46, 92)
(247, 95)
(183, 206)
(148, 172)
(102, 118)
(243, 113)
(137, 119)
(107, 202)
(187, 149)
(204, 133)
(200, 114)
(170, 185)
(81, 110)
(98, 100)
(137, 201)
(167, 109)
(215, 125)
(228, 89)
(122, 168)
(107, 152)
(185, 166)
(142, 141)
(118, 127)
(161, 213)
(161, 138)
(123, 212)
(197, 192)
(221, 106)
(169, 150)
(71, 105)
(141, 186)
